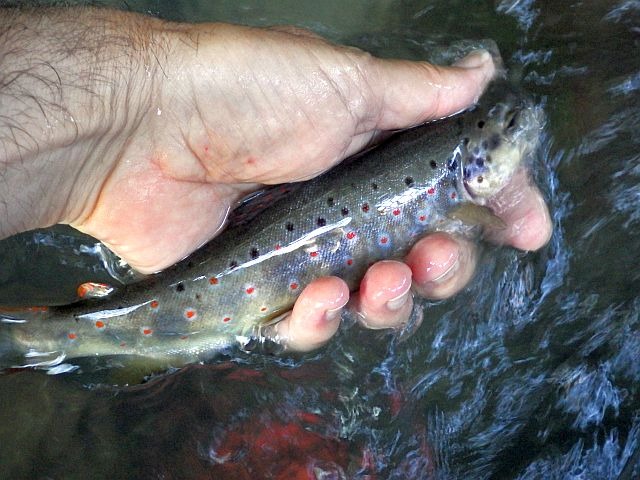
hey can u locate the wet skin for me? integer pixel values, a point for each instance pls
(234, 108)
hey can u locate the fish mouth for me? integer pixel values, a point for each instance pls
(468, 190)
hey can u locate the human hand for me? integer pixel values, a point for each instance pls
(229, 109)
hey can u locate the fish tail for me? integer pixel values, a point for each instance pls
(8, 349)
(12, 320)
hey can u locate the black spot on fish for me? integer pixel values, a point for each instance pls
(480, 162)
(465, 141)
(489, 158)
(374, 186)
(494, 141)
(190, 264)
(198, 297)
(321, 222)
(481, 124)
(408, 181)
(344, 211)
(289, 226)
(233, 264)
(254, 253)
(330, 202)
(480, 179)
(180, 287)
(433, 164)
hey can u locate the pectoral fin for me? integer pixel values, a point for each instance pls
(473, 214)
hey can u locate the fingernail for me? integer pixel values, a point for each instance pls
(397, 303)
(333, 314)
(446, 275)
(475, 59)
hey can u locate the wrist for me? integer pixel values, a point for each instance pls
(74, 84)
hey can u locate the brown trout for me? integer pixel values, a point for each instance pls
(372, 207)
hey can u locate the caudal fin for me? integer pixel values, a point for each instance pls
(8, 350)
(13, 354)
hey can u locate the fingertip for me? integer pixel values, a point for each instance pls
(441, 265)
(384, 299)
(315, 317)
(532, 230)
(521, 205)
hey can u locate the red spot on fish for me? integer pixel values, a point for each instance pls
(123, 344)
(431, 191)
(99, 324)
(213, 281)
(226, 319)
(190, 314)
(293, 286)
(365, 207)
(351, 235)
(350, 261)
(147, 331)
(313, 254)
(396, 212)
(422, 218)
(453, 195)
(154, 304)
(93, 289)
(251, 161)
(263, 309)
(250, 290)
(384, 240)
(72, 336)
(278, 247)
(183, 337)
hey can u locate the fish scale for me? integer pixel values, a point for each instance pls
(371, 207)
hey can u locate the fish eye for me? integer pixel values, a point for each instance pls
(512, 116)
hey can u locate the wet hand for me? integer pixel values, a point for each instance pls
(236, 108)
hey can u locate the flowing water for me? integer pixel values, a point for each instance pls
(532, 372)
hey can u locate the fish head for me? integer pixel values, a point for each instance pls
(497, 141)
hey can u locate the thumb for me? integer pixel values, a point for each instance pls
(410, 93)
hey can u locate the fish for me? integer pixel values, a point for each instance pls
(436, 177)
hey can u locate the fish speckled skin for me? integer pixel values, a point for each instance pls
(370, 208)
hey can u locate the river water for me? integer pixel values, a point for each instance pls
(532, 372)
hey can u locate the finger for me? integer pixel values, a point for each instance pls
(384, 299)
(441, 265)
(315, 317)
(521, 206)
(414, 92)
